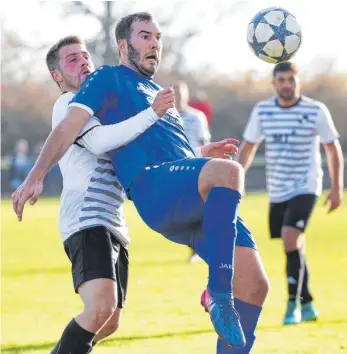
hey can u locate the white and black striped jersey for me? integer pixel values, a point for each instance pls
(195, 127)
(92, 195)
(292, 151)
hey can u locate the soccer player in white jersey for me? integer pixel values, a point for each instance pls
(195, 127)
(91, 220)
(292, 126)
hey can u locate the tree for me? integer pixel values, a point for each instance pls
(17, 57)
(179, 28)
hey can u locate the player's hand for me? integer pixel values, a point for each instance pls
(220, 149)
(333, 199)
(31, 189)
(164, 100)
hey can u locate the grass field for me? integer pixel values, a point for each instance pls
(163, 314)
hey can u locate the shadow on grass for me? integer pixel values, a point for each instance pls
(50, 345)
(12, 348)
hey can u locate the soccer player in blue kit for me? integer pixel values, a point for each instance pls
(189, 200)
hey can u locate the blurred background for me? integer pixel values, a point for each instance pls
(204, 45)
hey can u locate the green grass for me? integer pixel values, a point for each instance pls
(163, 314)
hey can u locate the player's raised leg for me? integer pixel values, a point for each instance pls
(220, 185)
(184, 192)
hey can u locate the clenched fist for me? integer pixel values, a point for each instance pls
(164, 100)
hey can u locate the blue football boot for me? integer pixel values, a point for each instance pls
(224, 317)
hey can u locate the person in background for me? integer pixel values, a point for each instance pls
(195, 127)
(20, 164)
(292, 127)
(201, 103)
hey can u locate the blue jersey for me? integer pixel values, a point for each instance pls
(116, 93)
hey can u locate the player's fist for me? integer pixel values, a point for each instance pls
(164, 100)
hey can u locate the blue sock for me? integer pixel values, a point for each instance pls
(220, 217)
(249, 316)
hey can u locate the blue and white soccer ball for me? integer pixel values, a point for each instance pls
(274, 35)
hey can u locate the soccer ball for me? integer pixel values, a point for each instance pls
(274, 35)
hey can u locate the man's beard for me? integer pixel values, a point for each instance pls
(286, 96)
(72, 85)
(134, 59)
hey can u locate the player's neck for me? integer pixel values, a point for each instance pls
(288, 103)
(65, 89)
(133, 67)
(128, 65)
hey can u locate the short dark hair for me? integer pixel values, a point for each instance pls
(124, 26)
(52, 57)
(285, 66)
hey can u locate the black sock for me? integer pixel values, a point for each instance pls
(74, 340)
(306, 296)
(295, 273)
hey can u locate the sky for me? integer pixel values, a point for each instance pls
(222, 45)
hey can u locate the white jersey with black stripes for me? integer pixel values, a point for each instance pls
(92, 195)
(292, 136)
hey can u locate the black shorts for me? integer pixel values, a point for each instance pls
(294, 212)
(95, 253)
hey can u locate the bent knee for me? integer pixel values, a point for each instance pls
(221, 173)
(263, 288)
(113, 323)
(112, 327)
(100, 312)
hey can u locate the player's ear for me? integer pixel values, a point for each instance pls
(122, 45)
(273, 82)
(56, 76)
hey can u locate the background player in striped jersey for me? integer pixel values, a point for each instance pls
(91, 221)
(292, 126)
(195, 127)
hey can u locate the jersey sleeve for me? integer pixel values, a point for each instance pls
(325, 126)
(60, 111)
(113, 136)
(94, 90)
(253, 133)
(60, 108)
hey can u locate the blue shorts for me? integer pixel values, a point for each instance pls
(168, 200)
